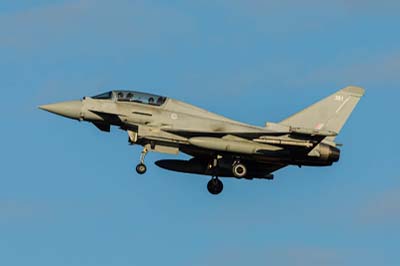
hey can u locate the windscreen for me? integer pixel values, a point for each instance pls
(103, 96)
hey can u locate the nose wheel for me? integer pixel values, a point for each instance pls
(215, 186)
(141, 169)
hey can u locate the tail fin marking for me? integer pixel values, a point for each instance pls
(330, 113)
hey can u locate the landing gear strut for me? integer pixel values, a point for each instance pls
(141, 167)
(215, 186)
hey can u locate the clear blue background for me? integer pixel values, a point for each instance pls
(69, 194)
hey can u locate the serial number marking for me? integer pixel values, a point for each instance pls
(339, 98)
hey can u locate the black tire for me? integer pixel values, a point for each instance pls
(215, 186)
(141, 169)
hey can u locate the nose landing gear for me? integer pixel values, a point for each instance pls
(141, 167)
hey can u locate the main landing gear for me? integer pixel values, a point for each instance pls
(141, 167)
(215, 186)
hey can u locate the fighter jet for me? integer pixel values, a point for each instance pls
(218, 147)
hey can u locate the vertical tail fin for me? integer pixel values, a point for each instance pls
(330, 113)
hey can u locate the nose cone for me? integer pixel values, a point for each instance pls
(72, 109)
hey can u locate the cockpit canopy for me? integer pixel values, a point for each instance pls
(132, 96)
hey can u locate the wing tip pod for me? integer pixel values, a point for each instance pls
(354, 90)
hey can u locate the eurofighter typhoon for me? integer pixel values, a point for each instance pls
(217, 146)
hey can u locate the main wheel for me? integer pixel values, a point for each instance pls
(141, 169)
(215, 186)
(239, 170)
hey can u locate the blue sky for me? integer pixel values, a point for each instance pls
(69, 194)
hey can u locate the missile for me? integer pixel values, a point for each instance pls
(238, 145)
(287, 142)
